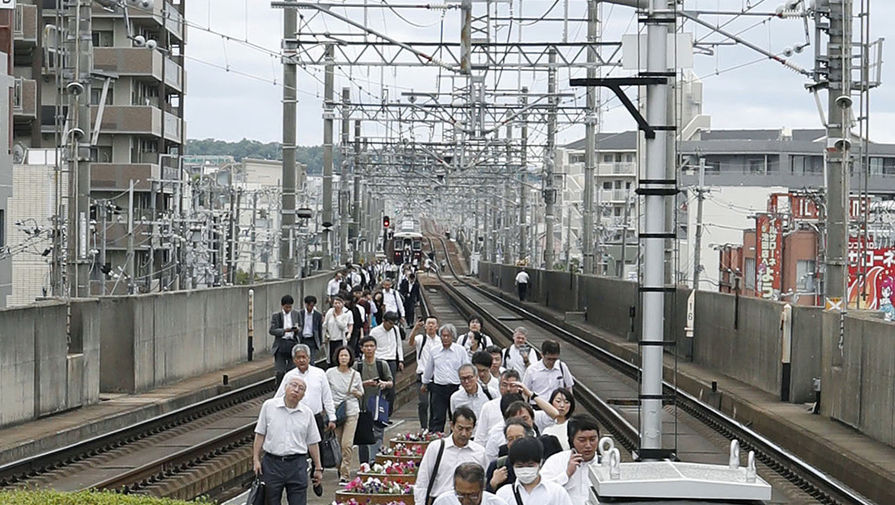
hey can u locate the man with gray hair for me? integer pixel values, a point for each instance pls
(469, 488)
(440, 378)
(472, 393)
(520, 355)
(318, 397)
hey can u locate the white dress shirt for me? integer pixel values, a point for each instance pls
(545, 493)
(561, 432)
(318, 396)
(488, 417)
(335, 328)
(514, 359)
(451, 499)
(393, 301)
(287, 325)
(443, 364)
(522, 278)
(578, 485)
(496, 437)
(543, 381)
(286, 431)
(452, 457)
(332, 287)
(423, 351)
(307, 330)
(475, 401)
(494, 387)
(389, 346)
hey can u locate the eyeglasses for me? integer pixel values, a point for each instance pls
(465, 378)
(469, 496)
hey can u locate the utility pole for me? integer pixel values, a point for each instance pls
(79, 41)
(523, 172)
(152, 232)
(701, 190)
(287, 222)
(129, 268)
(839, 57)
(624, 254)
(590, 141)
(357, 215)
(328, 159)
(252, 236)
(344, 191)
(549, 161)
(508, 207)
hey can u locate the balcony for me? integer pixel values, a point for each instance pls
(173, 22)
(139, 62)
(24, 99)
(117, 176)
(116, 234)
(618, 168)
(615, 195)
(24, 29)
(130, 119)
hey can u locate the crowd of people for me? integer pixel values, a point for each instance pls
(514, 437)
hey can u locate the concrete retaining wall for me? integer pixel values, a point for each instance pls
(41, 372)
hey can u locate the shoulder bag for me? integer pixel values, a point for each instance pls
(363, 434)
(342, 408)
(429, 497)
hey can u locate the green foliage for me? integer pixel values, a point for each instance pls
(46, 497)
(310, 156)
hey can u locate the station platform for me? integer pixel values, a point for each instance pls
(116, 411)
(834, 448)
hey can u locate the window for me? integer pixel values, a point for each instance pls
(97, 92)
(749, 274)
(756, 166)
(607, 158)
(607, 185)
(805, 276)
(876, 166)
(103, 38)
(617, 211)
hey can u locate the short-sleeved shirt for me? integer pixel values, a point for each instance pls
(543, 381)
(286, 431)
(369, 371)
(545, 493)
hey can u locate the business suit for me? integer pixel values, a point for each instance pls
(316, 341)
(411, 294)
(282, 347)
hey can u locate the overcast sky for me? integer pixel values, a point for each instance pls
(234, 92)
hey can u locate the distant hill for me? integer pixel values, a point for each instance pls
(312, 156)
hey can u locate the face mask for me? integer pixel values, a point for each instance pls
(526, 474)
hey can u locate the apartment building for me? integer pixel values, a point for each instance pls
(142, 129)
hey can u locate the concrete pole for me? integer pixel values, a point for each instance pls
(653, 282)
(290, 82)
(129, 264)
(78, 90)
(508, 205)
(549, 162)
(328, 158)
(624, 254)
(700, 197)
(837, 176)
(590, 140)
(252, 236)
(523, 172)
(344, 191)
(357, 216)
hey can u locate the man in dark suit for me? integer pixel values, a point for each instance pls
(284, 327)
(310, 325)
(410, 292)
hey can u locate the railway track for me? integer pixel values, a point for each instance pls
(200, 449)
(791, 477)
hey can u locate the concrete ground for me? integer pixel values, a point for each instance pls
(404, 421)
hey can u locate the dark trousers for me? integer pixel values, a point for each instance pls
(290, 475)
(282, 359)
(422, 407)
(312, 344)
(523, 290)
(390, 392)
(409, 309)
(439, 404)
(334, 346)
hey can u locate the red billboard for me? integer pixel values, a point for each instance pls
(768, 256)
(878, 292)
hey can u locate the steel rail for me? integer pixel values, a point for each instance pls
(820, 486)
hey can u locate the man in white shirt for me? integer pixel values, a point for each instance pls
(284, 436)
(570, 469)
(318, 397)
(392, 300)
(548, 373)
(442, 456)
(440, 377)
(522, 281)
(471, 393)
(482, 362)
(333, 287)
(520, 355)
(423, 344)
(389, 346)
(469, 488)
(491, 415)
(518, 406)
(525, 457)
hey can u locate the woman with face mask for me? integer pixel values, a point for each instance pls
(525, 457)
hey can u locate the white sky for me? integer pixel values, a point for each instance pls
(244, 102)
